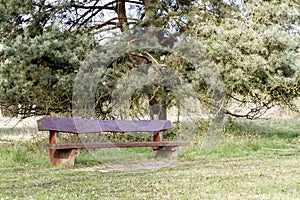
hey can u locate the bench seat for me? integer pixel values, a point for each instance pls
(64, 153)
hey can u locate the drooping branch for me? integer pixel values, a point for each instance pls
(145, 56)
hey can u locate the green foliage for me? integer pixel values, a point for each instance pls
(256, 48)
(38, 72)
(13, 15)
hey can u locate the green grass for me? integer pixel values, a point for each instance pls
(281, 128)
(248, 160)
(238, 178)
(113, 156)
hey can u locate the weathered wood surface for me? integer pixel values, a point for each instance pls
(65, 153)
(52, 140)
(116, 145)
(75, 125)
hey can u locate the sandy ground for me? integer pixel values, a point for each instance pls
(14, 128)
(13, 122)
(17, 129)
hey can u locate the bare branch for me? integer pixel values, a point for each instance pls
(82, 17)
(106, 6)
(135, 2)
(108, 22)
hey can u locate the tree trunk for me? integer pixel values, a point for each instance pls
(157, 109)
(121, 11)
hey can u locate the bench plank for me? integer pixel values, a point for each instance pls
(75, 125)
(116, 145)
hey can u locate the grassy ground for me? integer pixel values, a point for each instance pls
(251, 160)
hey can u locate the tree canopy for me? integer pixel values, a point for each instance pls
(253, 44)
(256, 46)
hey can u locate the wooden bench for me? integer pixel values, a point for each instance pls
(64, 153)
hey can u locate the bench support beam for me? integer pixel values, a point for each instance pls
(167, 152)
(60, 156)
(64, 156)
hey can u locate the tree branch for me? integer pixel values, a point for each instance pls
(108, 22)
(104, 7)
(146, 56)
(82, 17)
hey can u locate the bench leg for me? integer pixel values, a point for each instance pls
(167, 152)
(62, 156)
(157, 137)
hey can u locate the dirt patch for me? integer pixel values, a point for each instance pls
(150, 165)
